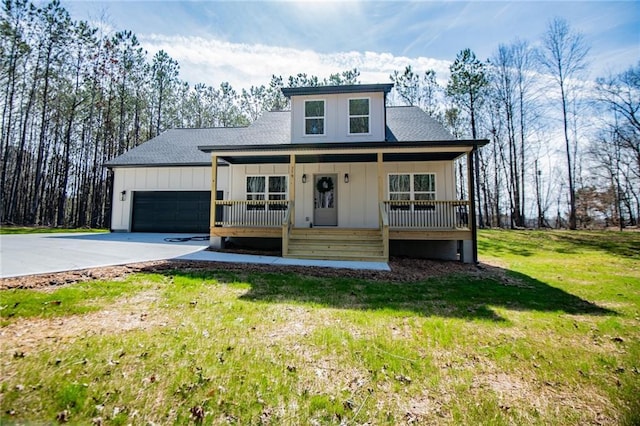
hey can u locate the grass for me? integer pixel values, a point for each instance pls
(552, 337)
(77, 299)
(10, 230)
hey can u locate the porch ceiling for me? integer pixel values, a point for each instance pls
(362, 152)
(340, 158)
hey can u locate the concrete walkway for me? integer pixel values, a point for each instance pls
(31, 254)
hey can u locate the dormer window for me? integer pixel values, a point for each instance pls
(314, 117)
(359, 116)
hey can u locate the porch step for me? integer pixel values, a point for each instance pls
(336, 244)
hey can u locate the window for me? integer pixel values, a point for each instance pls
(314, 117)
(358, 116)
(400, 190)
(412, 187)
(271, 188)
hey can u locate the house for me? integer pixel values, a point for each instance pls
(339, 176)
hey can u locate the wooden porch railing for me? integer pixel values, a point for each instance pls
(392, 214)
(428, 214)
(384, 227)
(287, 223)
(242, 213)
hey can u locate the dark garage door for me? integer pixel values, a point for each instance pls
(171, 211)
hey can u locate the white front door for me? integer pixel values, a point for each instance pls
(325, 212)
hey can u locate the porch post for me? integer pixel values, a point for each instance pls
(215, 242)
(292, 179)
(473, 256)
(290, 214)
(380, 179)
(384, 221)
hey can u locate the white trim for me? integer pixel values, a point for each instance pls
(305, 118)
(412, 191)
(368, 116)
(266, 192)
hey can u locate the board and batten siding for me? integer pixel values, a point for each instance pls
(336, 120)
(238, 177)
(358, 205)
(131, 179)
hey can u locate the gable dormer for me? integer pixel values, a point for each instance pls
(326, 114)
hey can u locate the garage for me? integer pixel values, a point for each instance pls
(171, 211)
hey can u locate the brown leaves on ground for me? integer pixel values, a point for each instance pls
(402, 270)
(128, 313)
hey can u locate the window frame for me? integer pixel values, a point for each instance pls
(323, 117)
(367, 116)
(412, 192)
(266, 195)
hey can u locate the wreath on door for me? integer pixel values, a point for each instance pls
(324, 184)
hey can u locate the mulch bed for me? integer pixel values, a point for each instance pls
(402, 270)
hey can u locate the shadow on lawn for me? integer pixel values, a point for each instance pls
(528, 243)
(463, 295)
(625, 244)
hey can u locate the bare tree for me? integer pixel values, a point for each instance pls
(616, 149)
(563, 57)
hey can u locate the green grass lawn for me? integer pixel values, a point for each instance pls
(8, 230)
(548, 334)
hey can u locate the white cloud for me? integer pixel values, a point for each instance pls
(213, 61)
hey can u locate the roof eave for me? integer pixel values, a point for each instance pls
(342, 145)
(329, 90)
(134, 165)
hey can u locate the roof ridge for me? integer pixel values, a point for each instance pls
(207, 128)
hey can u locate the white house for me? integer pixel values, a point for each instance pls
(340, 176)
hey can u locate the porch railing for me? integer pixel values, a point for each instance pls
(287, 223)
(398, 214)
(384, 227)
(241, 213)
(428, 214)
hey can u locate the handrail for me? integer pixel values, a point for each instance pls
(287, 222)
(384, 227)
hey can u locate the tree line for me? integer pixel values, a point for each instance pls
(74, 97)
(564, 151)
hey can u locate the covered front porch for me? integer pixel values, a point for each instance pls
(372, 216)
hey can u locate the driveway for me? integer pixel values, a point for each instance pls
(30, 254)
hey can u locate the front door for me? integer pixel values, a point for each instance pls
(325, 212)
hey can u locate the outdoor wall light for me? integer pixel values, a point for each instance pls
(346, 178)
(123, 195)
(304, 178)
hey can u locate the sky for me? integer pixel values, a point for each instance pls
(246, 42)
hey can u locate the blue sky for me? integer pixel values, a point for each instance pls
(244, 43)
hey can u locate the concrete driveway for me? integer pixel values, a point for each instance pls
(31, 254)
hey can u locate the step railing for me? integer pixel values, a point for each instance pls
(384, 228)
(431, 214)
(287, 223)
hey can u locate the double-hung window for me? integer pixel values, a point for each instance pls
(272, 188)
(408, 187)
(314, 117)
(358, 116)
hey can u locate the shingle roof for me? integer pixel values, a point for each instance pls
(411, 124)
(178, 147)
(272, 128)
(174, 147)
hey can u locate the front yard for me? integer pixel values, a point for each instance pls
(546, 331)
